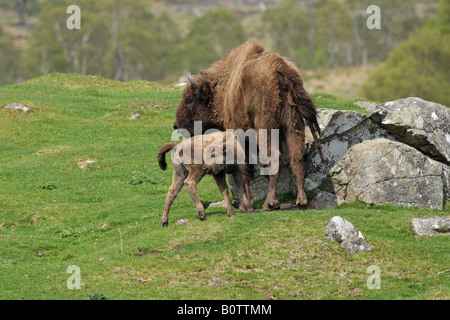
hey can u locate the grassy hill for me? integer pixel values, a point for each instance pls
(106, 219)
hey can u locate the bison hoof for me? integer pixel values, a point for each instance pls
(246, 208)
(271, 205)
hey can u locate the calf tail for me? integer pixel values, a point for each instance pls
(162, 154)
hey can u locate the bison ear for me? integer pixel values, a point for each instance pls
(205, 94)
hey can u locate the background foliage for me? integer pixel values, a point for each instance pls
(161, 40)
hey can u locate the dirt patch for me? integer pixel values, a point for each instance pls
(55, 149)
(146, 105)
(174, 246)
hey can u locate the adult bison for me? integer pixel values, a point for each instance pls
(251, 88)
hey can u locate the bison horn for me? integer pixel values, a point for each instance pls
(193, 82)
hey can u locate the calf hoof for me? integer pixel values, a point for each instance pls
(271, 205)
(231, 214)
(165, 223)
(202, 216)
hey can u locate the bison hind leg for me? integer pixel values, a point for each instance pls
(295, 143)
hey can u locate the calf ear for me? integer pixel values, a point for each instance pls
(205, 94)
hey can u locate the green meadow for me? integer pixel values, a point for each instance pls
(106, 219)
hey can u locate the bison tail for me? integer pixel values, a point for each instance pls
(308, 113)
(162, 154)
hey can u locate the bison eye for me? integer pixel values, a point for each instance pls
(189, 103)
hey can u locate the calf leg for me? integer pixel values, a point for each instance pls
(191, 185)
(223, 187)
(179, 175)
(244, 189)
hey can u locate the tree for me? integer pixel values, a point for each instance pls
(290, 28)
(53, 47)
(330, 33)
(420, 66)
(335, 33)
(442, 22)
(211, 37)
(8, 68)
(117, 39)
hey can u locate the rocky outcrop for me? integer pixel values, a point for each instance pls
(418, 123)
(341, 131)
(416, 131)
(381, 171)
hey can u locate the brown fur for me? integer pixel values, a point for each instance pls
(251, 88)
(190, 174)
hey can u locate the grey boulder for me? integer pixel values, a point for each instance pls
(17, 106)
(381, 171)
(431, 226)
(421, 124)
(343, 232)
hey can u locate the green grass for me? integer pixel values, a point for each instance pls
(106, 219)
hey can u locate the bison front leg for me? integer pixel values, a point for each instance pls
(191, 185)
(244, 188)
(272, 202)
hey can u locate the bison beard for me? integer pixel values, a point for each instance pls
(251, 88)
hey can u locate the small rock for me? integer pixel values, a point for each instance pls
(82, 164)
(431, 226)
(218, 204)
(287, 206)
(346, 235)
(135, 116)
(182, 221)
(17, 106)
(322, 200)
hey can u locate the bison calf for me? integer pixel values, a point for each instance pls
(214, 148)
